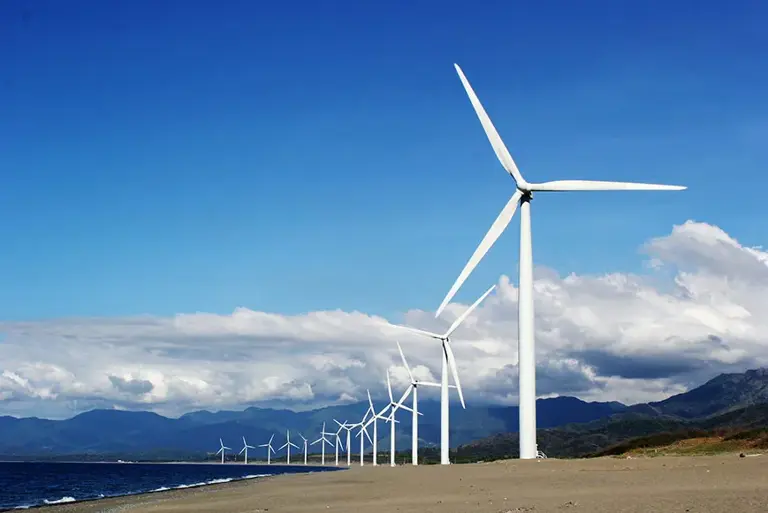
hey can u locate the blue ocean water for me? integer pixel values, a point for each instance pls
(24, 485)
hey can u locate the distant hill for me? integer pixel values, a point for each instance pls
(567, 426)
(724, 393)
(722, 407)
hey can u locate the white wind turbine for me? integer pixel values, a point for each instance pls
(323, 440)
(245, 449)
(287, 445)
(348, 428)
(391, 418)
(414, 388)
(222, 450)
(268, 445)
(363, 429)
(305, 448)
(522, 196)
(448, 360)
(373, 420)
(338, 443)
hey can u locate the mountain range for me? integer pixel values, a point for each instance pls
(727, 404)
(567, 426)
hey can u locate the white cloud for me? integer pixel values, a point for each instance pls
(701, 309)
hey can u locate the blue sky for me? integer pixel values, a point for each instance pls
(163, 157)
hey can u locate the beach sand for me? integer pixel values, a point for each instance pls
(721, 484)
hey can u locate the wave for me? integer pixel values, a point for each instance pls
(63, 500)
(67, 499)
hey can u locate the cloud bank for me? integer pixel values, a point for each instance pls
(701, 309)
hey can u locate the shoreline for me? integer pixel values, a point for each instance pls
(184, 488)
(701, 484)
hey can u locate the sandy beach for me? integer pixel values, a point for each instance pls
(717, 484)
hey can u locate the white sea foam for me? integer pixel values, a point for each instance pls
(63, 500)
(219, 481)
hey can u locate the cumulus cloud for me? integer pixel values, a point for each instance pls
(701, 309)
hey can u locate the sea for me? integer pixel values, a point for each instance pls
(27, 485)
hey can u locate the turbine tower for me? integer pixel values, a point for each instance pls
(268, 445)
(414, 388)
(448, 360)
(363, 429)
(323, 440)
(287, 445)
(245, 449)
(338, 443)
(348, 428)
(373, 420)
(522, 196)
(305, 448)
(222, 450)
(391, 418)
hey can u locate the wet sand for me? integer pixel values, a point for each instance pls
(698, 484)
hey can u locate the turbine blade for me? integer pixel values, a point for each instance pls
(271, 437)
(241, 451)
(594, 185)
(454, 371)
(416, 330)
(403, 397)
(493, 136)
(469, 310)
(404, 362)
(370, 401)
(406, 408)
(498, 226)
(389, 387)
(272, 449)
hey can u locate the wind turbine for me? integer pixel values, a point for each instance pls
(245, 448)
(448, 360)
(522, 196)
(288, 445)
(373, 420)
(348, 428)
(414, 388)
(268, 445)
(391, 418)
(338, 443)
(363, 425)
(305, 448)
(323, 440)
(222, 450)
